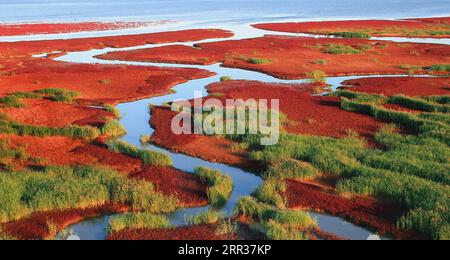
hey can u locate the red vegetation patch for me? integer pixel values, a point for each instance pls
(387, 28)
(312, 115)
(201, 232)
(169, 54)
(36, 227)
(184, 186)
(409, 86)
(43, 112)
(29, 48)
(294, 57)
(205, 147)
(98, 83)
(360, 210)
(67, 151)
(53, 28)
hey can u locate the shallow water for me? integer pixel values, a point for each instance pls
(207, 11)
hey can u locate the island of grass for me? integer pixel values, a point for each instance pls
(220, 186)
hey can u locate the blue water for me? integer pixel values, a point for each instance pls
(214, 10)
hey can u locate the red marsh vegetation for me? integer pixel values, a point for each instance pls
(410, 86)
(295, 57)
(54, 28)
(427, 27)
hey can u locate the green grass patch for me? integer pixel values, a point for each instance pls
(258, 61)
(406, 120)
(113, 128)
(277, 231)
(338, 49)
(78, 132)
(271, 192)
(280, 224)
(147, 157)
(290, 169)
(321, 62)
(14, 100)
(317, 76)
(58, 95)
(205, 218)
(145, 139)
(6, 152)
(438, 117)
(220, 186)
(360, 35)
(11, 101)
(418, 104)
(60, 188)
(444, 100)
(143, 220)
(441, 67)
(428, 222)
(362, 97)
(225, 78)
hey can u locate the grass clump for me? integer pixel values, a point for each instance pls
(113, 128)
(208, 217)
(360, 35)
(418, 104)
(321, 62)
(317, 76)
(11, 101)
(427, 222)
(444, 100)
(226, 227)
(441, 67)
(362, 97)
(290, 169)
(225, 78)
(78, 132)
(143, 220)
(337, 49)
(60, 188)
(277, 231)
(258, 61)
(280, 224)
(147, 157)
(7, 154)
(288, 225)
(58, 95)
(14, 100)
(220, 186)
(145, 139)
(271, 192)
(250, 207)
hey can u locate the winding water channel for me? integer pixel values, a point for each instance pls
(136, 119)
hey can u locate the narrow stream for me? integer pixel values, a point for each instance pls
(136, 119)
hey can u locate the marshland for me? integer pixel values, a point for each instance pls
(87, 150)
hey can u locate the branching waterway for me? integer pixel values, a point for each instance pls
(136, 119)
